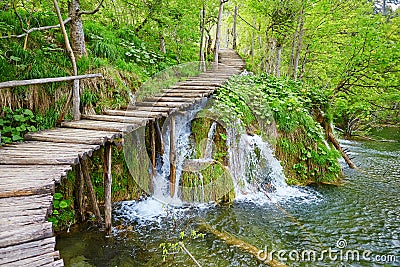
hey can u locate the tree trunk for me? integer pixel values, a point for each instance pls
(234, 33)
(162, 44)
(291, 61)
(303, 65)
(278, 60)
(218, 31)
(209, 44)
(202, 30)
(384, 8)
(76, 29)
(299, 45)
(76, 91)
(252, 47)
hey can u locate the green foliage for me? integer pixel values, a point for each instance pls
(348, 48)
(140, 54)
(259, 100)
(89, 98)
(15, 123)
(63, 214)
(169, 249)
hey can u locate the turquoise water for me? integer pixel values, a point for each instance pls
(361, 216)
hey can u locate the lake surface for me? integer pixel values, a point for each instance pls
(355, 224)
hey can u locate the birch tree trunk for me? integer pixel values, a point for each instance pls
(76, 92)
(234, 32)
(76, 29)
(278, 60)
(162, 44)
(218, 31)
(202, 30)
(299, 45)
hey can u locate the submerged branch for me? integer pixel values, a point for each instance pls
(188, 252)
(242, 245)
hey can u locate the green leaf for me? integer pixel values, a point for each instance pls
(58, 196)
(28, 112)
(17, 138)
(63, 204)
(16, 59)
(18, 117)
(32, 128)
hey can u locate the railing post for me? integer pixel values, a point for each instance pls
(76, 102)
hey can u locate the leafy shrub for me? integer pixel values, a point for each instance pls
(14, 124)
(63, 213)
(301, 144)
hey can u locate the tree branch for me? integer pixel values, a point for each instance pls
(94, 11)
(240, 17)
(35, 29)
(19, 17)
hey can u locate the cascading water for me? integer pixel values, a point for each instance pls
(209, 144)
(183, 149)
(256, 174)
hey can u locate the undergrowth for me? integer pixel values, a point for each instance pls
(282, 111)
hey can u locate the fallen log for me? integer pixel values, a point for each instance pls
(242, 245)
(339, 148)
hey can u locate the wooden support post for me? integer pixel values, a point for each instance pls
(172, 157)
(80, 199)
(107, 187)
(159, 133)
(92, 194)
(153, 147)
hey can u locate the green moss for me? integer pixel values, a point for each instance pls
(259, 100)
(213, 183)
(124, 187)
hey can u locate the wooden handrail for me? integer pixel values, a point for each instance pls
(11, 84)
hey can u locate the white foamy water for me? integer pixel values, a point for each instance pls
(257, 175)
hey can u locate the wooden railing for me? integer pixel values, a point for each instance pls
(76, 97)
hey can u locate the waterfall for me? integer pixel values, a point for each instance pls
(257, 175)
(184, 150)
(210, 138)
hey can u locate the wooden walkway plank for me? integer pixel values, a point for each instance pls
(165, 98)
(165, 104)
(194, 87)
(186, 94)
(45, 153)
(74, 136)
(136, 113)
(156, 109)
(14, 254)
(101, 125)
(123, 119)
(26, 233)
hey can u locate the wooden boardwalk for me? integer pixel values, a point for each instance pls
(29, 171)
